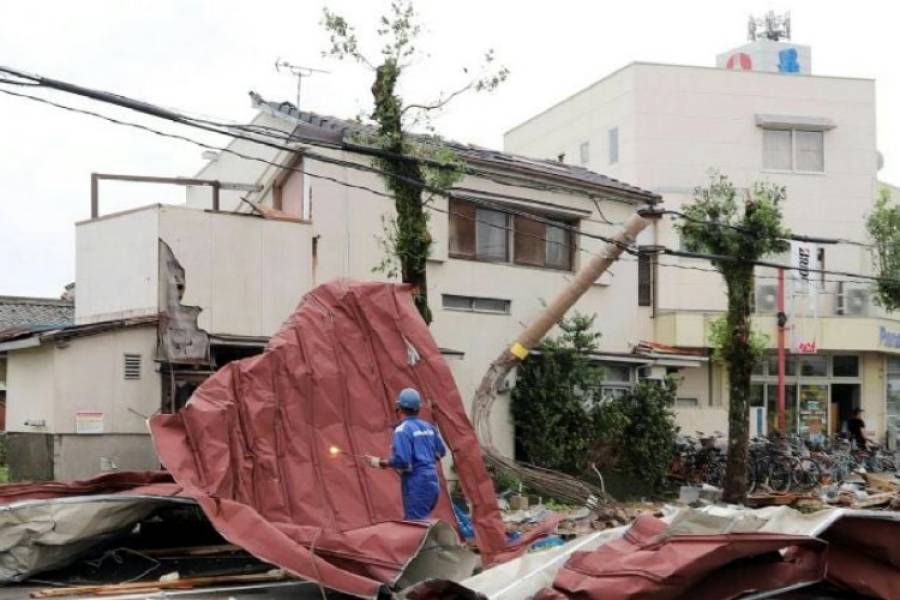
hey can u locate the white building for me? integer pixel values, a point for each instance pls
(760, 115)
(166, 294)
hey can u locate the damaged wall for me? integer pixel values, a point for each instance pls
(246, 273)
(180, 338)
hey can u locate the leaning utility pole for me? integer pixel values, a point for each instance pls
(512, 355)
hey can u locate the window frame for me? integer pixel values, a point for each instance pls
(512, 244)
(793, 151)
(473, 304)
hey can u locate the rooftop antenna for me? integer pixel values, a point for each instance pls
(297, 71)
(769, 27)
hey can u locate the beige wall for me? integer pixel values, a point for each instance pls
(245, 272)
(53, 382)
(30, 387)
(348, 223)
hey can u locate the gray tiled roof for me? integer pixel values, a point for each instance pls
(338, 131)
(17, 312)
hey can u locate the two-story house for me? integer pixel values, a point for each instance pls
(167, 294)
(759, 115)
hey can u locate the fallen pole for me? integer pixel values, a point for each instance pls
(551, 482)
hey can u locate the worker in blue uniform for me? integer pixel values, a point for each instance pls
(417, 448)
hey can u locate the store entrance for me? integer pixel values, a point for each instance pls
(844, 398)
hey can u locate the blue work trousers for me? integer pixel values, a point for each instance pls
(421, 488)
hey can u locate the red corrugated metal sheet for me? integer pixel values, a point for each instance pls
(252, 445)
(646, 564)
(152, 483)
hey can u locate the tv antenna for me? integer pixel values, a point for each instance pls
(770, 27)
(297, 71)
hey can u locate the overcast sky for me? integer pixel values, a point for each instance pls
(204, 57)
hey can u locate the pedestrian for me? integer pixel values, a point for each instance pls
(417, 448)
(856, 427)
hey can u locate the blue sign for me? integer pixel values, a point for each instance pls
(891, 339)
(787, 61)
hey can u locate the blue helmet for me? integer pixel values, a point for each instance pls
(409, 399)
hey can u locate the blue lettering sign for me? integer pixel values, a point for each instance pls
(891, 339)
(787, 61)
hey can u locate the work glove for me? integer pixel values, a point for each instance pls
(373, 461)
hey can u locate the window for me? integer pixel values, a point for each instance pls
(493, 236)
(794, 150)
(814, 366)
(617, 380)
(645, 280)
(845, 365)
(132, 366)
(584, 153)
(613, 145)
(475, 304)
(790, 365)
(687, 402)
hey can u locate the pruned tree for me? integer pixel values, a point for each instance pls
(414, 167)
(883, 227)
(739, 233)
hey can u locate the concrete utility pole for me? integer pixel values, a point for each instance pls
(534, 333)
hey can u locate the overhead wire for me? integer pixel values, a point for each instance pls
(500, 207)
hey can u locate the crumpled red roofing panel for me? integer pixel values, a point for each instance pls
(135, 483)
(646, 564)
(252, 445)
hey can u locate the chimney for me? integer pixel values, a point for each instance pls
(769, 49)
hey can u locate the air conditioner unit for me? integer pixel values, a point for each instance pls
(766, 299)
(853, 299)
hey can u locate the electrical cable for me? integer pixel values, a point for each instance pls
(450, 195)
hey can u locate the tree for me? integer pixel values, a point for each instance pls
(551, 400)
(883, 226)
(738, 234)
(411, 164)
(563, 423)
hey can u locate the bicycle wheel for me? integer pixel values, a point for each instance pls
(780, 476)
(806, 473)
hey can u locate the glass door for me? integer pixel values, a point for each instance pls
(813, 417)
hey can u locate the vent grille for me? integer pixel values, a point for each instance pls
(132, 366)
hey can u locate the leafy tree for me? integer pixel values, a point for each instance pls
(883, 226)
(740, 233)
(562, 423)
(411, 165)
(551, 400)
(648, 438)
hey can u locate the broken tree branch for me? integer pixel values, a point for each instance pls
(546, 481)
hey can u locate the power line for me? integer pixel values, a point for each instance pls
(500, 207)
(217, 126)
(448, 194)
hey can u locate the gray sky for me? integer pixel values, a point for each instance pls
(204, 56)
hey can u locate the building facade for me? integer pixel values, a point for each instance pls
(168, 294)
(760, 115)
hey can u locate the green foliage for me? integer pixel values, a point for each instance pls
(718, 338)
(411, 166)
(562, 423)
(551, 400)
(740, 233)
(883, 226)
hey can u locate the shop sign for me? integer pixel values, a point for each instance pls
(88, 422)
(890, 339)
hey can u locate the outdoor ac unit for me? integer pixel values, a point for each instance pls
(766, 299)
(853, 299)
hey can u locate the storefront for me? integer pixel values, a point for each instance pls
(821, 391)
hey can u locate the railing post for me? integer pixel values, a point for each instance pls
(215, 195)
(95, 200)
